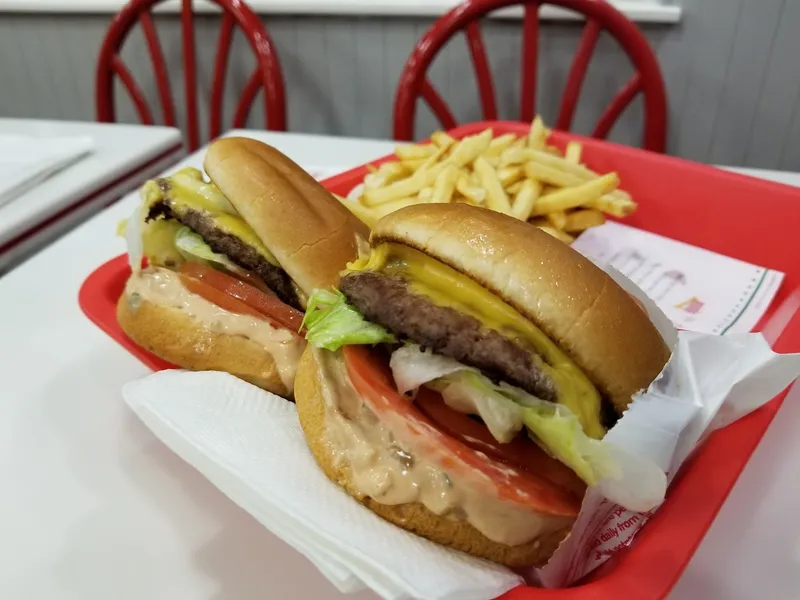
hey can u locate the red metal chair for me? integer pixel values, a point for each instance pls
(600, 16)
(267, 73)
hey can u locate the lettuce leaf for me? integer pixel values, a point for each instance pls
(193, 247)
(332, 323)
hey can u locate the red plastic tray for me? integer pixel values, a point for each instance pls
(735, 215)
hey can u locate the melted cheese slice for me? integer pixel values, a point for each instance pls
(186, 191)
(444, 286)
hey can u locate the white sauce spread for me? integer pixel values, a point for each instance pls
(164, 287)
(391, 472)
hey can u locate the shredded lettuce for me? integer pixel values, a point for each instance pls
(132, 231)
(192, 247)
(332, 323)
(631, 481)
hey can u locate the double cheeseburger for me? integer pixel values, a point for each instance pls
(230, 262)
(461, 378)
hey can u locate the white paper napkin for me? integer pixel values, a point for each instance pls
(250, 445)
(25, 161)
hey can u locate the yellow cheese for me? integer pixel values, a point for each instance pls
(187, 191)
(158, 241)
(445, 286)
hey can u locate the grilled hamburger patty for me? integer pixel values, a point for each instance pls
(388, 301)
(235, 249)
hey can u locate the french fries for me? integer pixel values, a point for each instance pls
(524, 176)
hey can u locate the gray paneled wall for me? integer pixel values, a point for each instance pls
(732, 69)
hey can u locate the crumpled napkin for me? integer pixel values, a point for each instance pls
(250, 445)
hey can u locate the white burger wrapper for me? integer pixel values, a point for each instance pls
(250, 445)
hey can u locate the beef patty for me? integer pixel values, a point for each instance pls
(388, 301)
(236, 250)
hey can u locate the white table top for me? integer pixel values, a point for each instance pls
(94, 507)
(120, 151)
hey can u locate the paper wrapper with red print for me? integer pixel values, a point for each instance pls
(705, 374)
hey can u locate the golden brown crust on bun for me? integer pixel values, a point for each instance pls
(413, 517)
(575, 302)
(176, 337)
(310, 233)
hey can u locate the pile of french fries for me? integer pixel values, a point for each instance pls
(522, 176)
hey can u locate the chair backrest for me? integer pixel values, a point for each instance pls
(600, 16)
(267, 73)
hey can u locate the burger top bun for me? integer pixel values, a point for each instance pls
(574, 302)
(310, 233)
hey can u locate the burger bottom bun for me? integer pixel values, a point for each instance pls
(174, 336)
(414, 517)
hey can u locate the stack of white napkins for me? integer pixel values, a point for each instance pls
(25, 161)
(250, 445)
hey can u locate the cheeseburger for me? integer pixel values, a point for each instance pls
(230, 262)
(460, 380)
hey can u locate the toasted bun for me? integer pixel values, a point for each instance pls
(414, 517)
(575, 302)
(176, 337)
(310, 233)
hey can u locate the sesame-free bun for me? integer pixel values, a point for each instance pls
(414, 517)
(176, 337)
(573, 301)
(310, 233)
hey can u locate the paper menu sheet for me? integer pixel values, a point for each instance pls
(697, 289)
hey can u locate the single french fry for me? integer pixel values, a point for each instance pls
(494, 161)
(425, 194)
(414, 151)
(441, 140)
(472, 192)
(556, 233)
(537, 135)
(470, 148)
(413, 164)
(578, 220)
(557, 218)
(445, 184)
(525, 199)
(372, 168)
(577, 171)
(551, 175)
(500, 143)
(578, 195)
(404, 188)
(385, 174)
(553, 151)
(510, 175)
(496, 197)
(514, 188)
(433, 159)
(573, 152)
(618, 204)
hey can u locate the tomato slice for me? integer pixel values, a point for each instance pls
(372, 379)
(221, 299)
(521, 452)
(264, 303)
